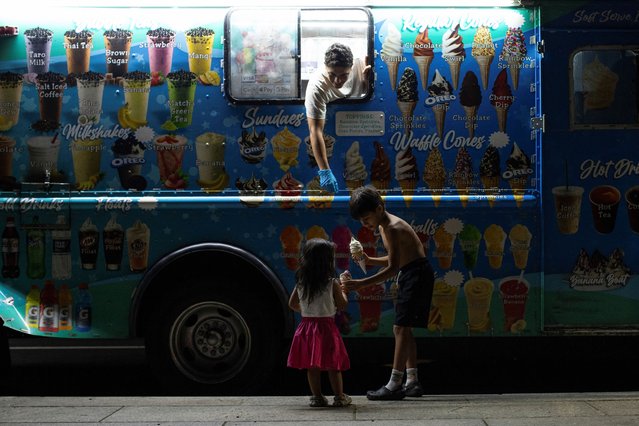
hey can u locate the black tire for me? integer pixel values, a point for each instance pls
(211, 341)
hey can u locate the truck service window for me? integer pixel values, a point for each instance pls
(271, 54)
(603, 88)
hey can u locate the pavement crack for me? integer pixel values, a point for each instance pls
(110, 414)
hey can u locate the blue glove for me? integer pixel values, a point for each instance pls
(327, 180)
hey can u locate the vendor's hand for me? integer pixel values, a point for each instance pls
(327, 180)
(363, 256)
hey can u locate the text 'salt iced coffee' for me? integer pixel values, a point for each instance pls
(78, 48)
(38, 44)
(51, 87)
(113, 239)
(10, 96)
(117, 44)
(138, 238)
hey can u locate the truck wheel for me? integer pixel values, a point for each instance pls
(210, 342)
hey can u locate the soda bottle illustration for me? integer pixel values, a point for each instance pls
(33, 307)
(10, 249)
(49, 310)
(61, 253)
(83, 308)
(35, 251)
(65, 300)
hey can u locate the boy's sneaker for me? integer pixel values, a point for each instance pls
(318, 401)
(414, 390)
(342, 401)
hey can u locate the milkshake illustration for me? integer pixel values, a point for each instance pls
(181, 97)
(78, 48)
(128, 158)
(117, 44)
(479, 293)
(138, 238)
(170, 152)
(10, 96)
(43, 156)
(90, 91)
(209, 150)
(38, 44)
(160, 43)
(199, 43)
(443, 306)
(86, 155)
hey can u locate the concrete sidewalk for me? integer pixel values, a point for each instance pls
(588, 409)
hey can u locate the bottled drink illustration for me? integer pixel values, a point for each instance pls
(32, 308)
(83, 311)
(49, 309)
(35, 251)
(10, 249)
(65, 301)
(61, 253)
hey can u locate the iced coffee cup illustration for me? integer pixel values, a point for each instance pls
(160, 43)
(181, 97)
(604, 203)
(78, 48)
(128, 158)
(478, 293)
(86, 154)
(10, 96)
(443, 306)
(170, 153)
(138, 238)
(199, 43)
(568, 207)
(632, 204)
(117, 45)
(43, 156)
(520, 238)
(38, 44)
(137, 86)
(113, 239)
(89, 239)
(50, 87)
(514, 294)
(90, 91)
(209, 149)
(7, 147)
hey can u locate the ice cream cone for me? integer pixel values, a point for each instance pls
(484, 68)
(454, 72)
(471, 119)
(380, 185)
(408, 189)
(518, 186)
(436, 186)
(393, 66)
(502, 115)
(423, 63)
(440, 117)
(354, 184)
(362, 264)
(514, 65)
(463, 190)
(491, 185)
(407, 109)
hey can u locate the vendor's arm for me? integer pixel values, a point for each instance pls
(316, 130)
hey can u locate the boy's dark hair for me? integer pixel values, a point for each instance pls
(317, 266)
(338, 55)
(364, 200)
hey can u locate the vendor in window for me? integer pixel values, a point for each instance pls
(342, 77)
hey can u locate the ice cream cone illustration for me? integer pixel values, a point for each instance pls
(518, 167)
(495, 237)
(354, 169)
(502, 98)
(407, 97)
(291, 240)
(380, 169)
(470, 98)
(483, 51)
(357, 251)
(441, 90)
(463, 175)
(406, 174)
(453, 52)
(423, 53)
(489, 173)
(285, 146)
(444, 244)
(392, 52)
(514, 52)
(435, 174)
(520, 238)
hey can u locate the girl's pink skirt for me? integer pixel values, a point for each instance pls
(318, 344)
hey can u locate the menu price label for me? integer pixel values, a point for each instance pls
(360, 123)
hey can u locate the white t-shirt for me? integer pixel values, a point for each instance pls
(320, 91)
(323, 304)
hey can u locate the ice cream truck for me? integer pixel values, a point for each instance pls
(157, 179)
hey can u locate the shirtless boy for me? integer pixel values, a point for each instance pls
(405, 259)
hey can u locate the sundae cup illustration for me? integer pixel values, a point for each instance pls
(407, 97)
(285, 148)
(470, 98)
(341, 236)
(291, 240)
(318, 197)
(329, 143)
(495, 238)
(518, 167)
(423, 54)
(380, 169)
(440, 89)
(520, 238)
(463, 174)
(453, 52)
(483, 51)
(406, 174)
(514, 53)
(354, 169)
(501, 99)
(252, 146)
(251, 191)
(392, 52)
(289, 189)
(490, 173)
(435, 174)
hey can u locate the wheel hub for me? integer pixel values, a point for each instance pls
(214, 338)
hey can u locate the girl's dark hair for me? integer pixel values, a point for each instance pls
(338, 55)
(317, 266)
(364, 200)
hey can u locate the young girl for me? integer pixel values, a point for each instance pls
(317, 345)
